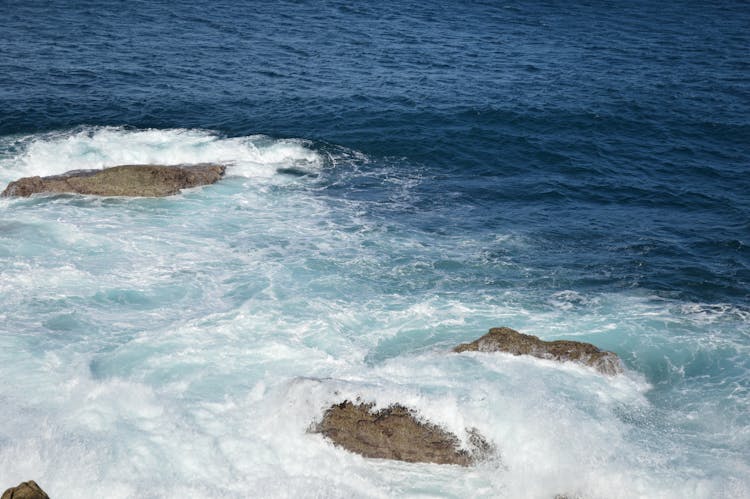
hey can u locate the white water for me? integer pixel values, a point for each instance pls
(92, 148)
(181, 347)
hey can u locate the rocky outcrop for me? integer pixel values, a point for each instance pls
(397, 433)
(505, 339)
(25, 490)
(126, 180)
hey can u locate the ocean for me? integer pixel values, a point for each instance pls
(401, 177)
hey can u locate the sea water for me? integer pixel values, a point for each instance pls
(400, 178)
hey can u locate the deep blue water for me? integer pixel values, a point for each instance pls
(569, 169)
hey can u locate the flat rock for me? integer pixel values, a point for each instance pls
(25, 490)
(505, 339)
(125, 180)
(397, 433)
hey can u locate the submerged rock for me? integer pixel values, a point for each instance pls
(126, 180)
(397, 433)
(25, 490)
(505, 339)
(296, 172)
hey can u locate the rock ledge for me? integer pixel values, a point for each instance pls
(25, 490)
(505, 339)
(397, 433)
(125, 180)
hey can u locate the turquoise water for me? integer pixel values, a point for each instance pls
(182, 346)
(399, 180)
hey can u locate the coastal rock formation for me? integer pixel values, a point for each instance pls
(397, 433)
(505, 339)
(126, 180)
(25, 490)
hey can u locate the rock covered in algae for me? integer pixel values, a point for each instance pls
(25, 490)
(397, 433)
(125, 180)
(505, 339)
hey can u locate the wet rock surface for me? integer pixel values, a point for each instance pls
(397, 433)
(505, 339)
(125, 180)
(25, 490)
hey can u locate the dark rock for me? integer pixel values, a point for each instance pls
(505, 339)
(295, 172)
(126, 180)
(397, 433)
(25, 490)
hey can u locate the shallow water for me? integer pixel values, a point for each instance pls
(399, 180)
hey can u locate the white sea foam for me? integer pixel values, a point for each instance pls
(707, 313)
(183, 347)
(98, 147)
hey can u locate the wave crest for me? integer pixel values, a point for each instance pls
(100, 147)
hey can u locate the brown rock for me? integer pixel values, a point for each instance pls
(505, 339)
(396, 433)
(126, 180)
(25, 490)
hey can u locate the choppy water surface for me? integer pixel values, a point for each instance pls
(400, 179)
